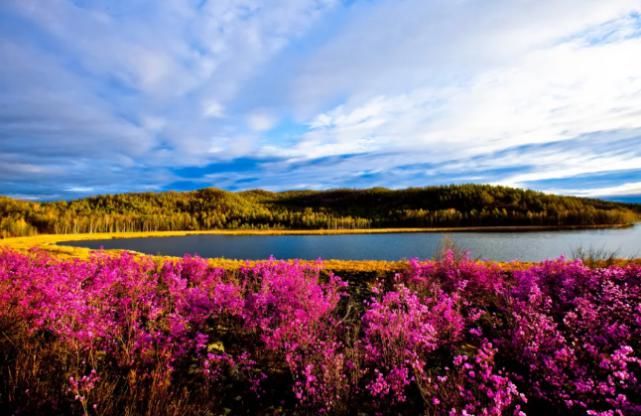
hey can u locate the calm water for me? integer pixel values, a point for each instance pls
(529, 246)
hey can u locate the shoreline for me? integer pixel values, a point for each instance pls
(54, 243)
(60, 238)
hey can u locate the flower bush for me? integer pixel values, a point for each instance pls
(125, 334)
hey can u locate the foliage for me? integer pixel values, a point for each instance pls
(207, 209)
(118, 334)
(593, 256)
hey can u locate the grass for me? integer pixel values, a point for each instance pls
(594, 257)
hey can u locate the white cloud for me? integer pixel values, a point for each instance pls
(213, 109)
(391, 47)
(224, 148)
(554, 84)
(625, 189)
(153, 123)
(261, 121)
(80, 189)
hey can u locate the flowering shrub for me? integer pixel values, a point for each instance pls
(130, 334)
(576, 336)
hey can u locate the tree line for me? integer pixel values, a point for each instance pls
(211, 208)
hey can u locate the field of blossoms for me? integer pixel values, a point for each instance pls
(133, 335)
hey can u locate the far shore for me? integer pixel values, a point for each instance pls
(59, 238)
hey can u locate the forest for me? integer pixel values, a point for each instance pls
(211, 208)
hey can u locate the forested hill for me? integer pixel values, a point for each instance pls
(443, 206)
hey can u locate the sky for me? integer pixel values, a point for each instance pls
(110, 96)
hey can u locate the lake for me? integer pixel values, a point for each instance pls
(527, 246)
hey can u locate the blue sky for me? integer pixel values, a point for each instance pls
(104, 96)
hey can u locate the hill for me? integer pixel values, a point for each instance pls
(210, 208)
